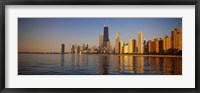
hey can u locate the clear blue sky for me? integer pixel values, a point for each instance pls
(47, 34)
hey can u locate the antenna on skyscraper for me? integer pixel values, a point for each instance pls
(106, 23)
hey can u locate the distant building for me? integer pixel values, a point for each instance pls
(152, 45)
(145, 46)
(100, 43)
(105, 36)
(167, 43)
(159, 45)
(62, 48)
(140, 42)
(73, 49)
(77, 49)
(126, 48)
(109, 47)
(100, 40)
(121, 47)
(177, 38)
(131, 46)
(117, 43)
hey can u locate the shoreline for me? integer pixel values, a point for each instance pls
(117, 54)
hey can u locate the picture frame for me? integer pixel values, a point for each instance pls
(98, 2)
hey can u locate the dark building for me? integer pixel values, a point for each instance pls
(63, 49)
(105, 36)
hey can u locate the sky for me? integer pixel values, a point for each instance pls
(47, 34)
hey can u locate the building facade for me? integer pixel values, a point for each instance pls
(176, 38)
(140, 42)
(117, 43)
(167, 43)
(131, 46)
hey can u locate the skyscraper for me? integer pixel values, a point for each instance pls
(177, 39)
(100, 40)
(63, 49)
(117, 43)
(166, 43)
(105, 36)
(131, 45)
(159, 45)
(109, 47)
(140, 42)
(100, 43)
(126, 48)
(121, 47)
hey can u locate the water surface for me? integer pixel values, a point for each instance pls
(70, 64)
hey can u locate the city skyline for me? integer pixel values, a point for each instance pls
(40, 35)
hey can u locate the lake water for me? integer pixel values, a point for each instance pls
(70, 64)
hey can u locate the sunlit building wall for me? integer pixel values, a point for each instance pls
(131, 46)
(159, 45)
(109, 47)
(126, 48)
(177, 38)
(167, 43)
(121, 47)
(140, 42)
(100, 40)
(117, 43)
(152, 45)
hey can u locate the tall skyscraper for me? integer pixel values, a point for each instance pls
(152, 44)
(131, 45)
(140, 42)
(63, 49)
(177, 38)
(100, 43)
(109, 47)
(159, 45)
(167, 43)
(105, 36)
(121, 47)
(100, 40)
(126, 48)
(117, 43)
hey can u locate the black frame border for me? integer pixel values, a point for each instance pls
(3, 3)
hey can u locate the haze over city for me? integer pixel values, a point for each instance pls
(47, 34)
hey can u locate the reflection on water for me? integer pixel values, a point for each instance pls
(57, 64)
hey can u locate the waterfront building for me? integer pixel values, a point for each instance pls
(159, 45)
(131, 45)
(140, 42)
(117, 43)
(100, 40)
(93, 50)
(126, 49)
(176, 38)
(167, 43)
(145, 47)
(73, 49)
(152, 45)
(109, 47)
(77, 49)
(105, 36)
(100, 43)
(62, 48)
(121, 47)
